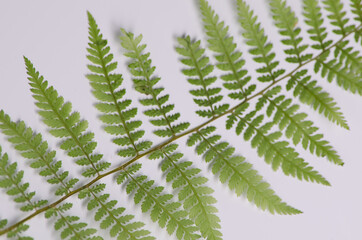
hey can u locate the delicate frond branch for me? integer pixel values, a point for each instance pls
(338, 16)
(193, 191)
(226, 54)
(31, 146)
(198, 71)
(261, 48)
(163, 210)
(65, 124)
(116, 114)
(295, 125)
(236, 172)
(145, 83)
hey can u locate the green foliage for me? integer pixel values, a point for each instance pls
(308, 92)
(31, 146)
(226, 54)
(236, 172)
(261, 48)
(286, 21)
(116, 114)
(277, 153)
(272, 126)
(160, 205)
(338, 16)
(145, 81)
(65, 124)
(193, 192)
(112, 217)
(11, 180)
(198, 71)
(296, 127)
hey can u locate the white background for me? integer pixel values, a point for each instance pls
(53, 34)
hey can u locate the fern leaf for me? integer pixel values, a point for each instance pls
(193, 192)
(198, 71)
(338, 16)
(311, 94)
(313, 18)
(226, 54)
(163, 209)
(116, 114)
(236, 172)
(65, 124)
(352, 59)
(11, 180)
(111, 216)
(144, 80)
(356, 6)
(18, 232)
(286, 21)
(277, 153)
(31, 146)
(261, 48)
(296, 126)
(335, 70)
(70, 226)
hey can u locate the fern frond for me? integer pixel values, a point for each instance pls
(313, 18)
(286, 21)
(11, 180)
(198, 71)
(226, 54)
(356, 6)
(277, 153)
(351, 58)
(65, 124)
(70, 226)
(18, 232)
(334, 70)
(145, 81)
(193, 191)
(261, 48)
(236, 172)
(296, 127)
(111, 216)
(163, 210)
(31, 146)
(116, 114)
(338, 16)
(313, 95)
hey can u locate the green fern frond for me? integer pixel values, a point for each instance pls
(163, 210)
(338, 16)
(313, 18)
(261, 48)
(145, 81)
(31, 146)
(356, 6)
(226, 54)
(295, 125)
(351, 58)
(65, 124)
(193, 191)
(18, 232)
(70, 226)
(236, 172)
(335, 70)
(313, 95)
(198, 71)
(286, 21)
(116, 114)
(277, 153)
(11, 181)
(112, 217)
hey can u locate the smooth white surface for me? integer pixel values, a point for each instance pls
(53, 34)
